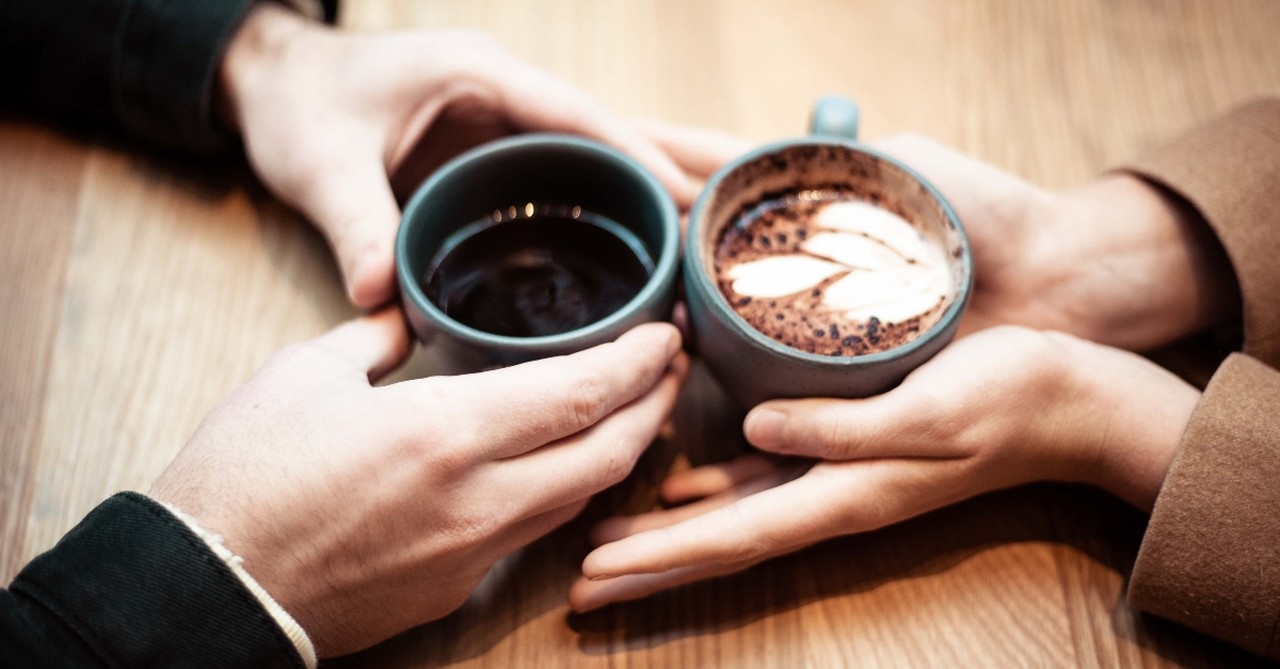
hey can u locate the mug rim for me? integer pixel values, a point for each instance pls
(664, 267)
(719, 304)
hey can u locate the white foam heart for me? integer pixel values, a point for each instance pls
(776, 276)
(896, 311)
(854, 250)
(891, 297)
(865, 219)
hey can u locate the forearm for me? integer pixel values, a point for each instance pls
(1228, 168)
(146, 67)
(261, 41)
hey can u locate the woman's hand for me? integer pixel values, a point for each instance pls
(367, 510)
(1117, 261)
(327, 115)
(999, 408)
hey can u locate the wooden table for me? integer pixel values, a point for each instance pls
(138, 290)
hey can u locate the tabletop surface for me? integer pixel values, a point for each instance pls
(137, 290)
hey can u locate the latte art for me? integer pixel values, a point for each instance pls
(833, 275)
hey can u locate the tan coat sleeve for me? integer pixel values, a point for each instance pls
(1211, 555)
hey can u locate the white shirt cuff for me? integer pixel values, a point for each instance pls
(287, 624)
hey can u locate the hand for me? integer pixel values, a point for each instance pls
(326, 116)
(1117, 261)
(999, 408)
(364, 511)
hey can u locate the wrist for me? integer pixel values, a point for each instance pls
(1166, 271)
(262, 40)
(1129, 416)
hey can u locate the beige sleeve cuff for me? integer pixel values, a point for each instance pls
(1210, 559)
(1229, 169)
(287, 624)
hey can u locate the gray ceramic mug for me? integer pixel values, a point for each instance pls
(511, 174)
(753, 367)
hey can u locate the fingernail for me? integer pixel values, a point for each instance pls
(763, 427)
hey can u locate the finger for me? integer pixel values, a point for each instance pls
(900, 423)
(713, 479)
(844, 499)
(586, 463)
(586, 595)
(534, 99)
(620, 527)
(699, 151)
(373, 344)
(513, 410)
(352, 204)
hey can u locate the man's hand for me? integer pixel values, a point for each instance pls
(326, 116)
(367, 510)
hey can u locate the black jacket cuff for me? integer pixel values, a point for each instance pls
(139, 589)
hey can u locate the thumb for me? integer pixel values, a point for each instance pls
(375, 344)
(352, 204)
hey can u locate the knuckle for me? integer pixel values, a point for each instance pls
(586, 402)
(435, 435)
(744, 549)
(475, 527)
(442, 460)
(835, 438)
(1041, 359)
(748, 543)
(612, 470)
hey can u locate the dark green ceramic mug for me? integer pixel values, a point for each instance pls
(501, 189)
(754, 366)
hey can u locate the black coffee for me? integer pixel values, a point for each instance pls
(537, 271)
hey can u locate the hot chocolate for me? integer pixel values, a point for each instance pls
(827, 272)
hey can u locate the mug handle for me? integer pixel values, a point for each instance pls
(834, 116)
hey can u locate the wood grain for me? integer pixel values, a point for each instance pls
(139, 290)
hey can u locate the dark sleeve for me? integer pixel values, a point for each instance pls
(132, 586)
(1210, 558)
(147, 67)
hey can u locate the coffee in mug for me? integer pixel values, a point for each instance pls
(535, 270)
(534, 246)
(819, 267)
(828, 272)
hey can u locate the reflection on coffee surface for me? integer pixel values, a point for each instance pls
(825, 272)
(537, 270)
